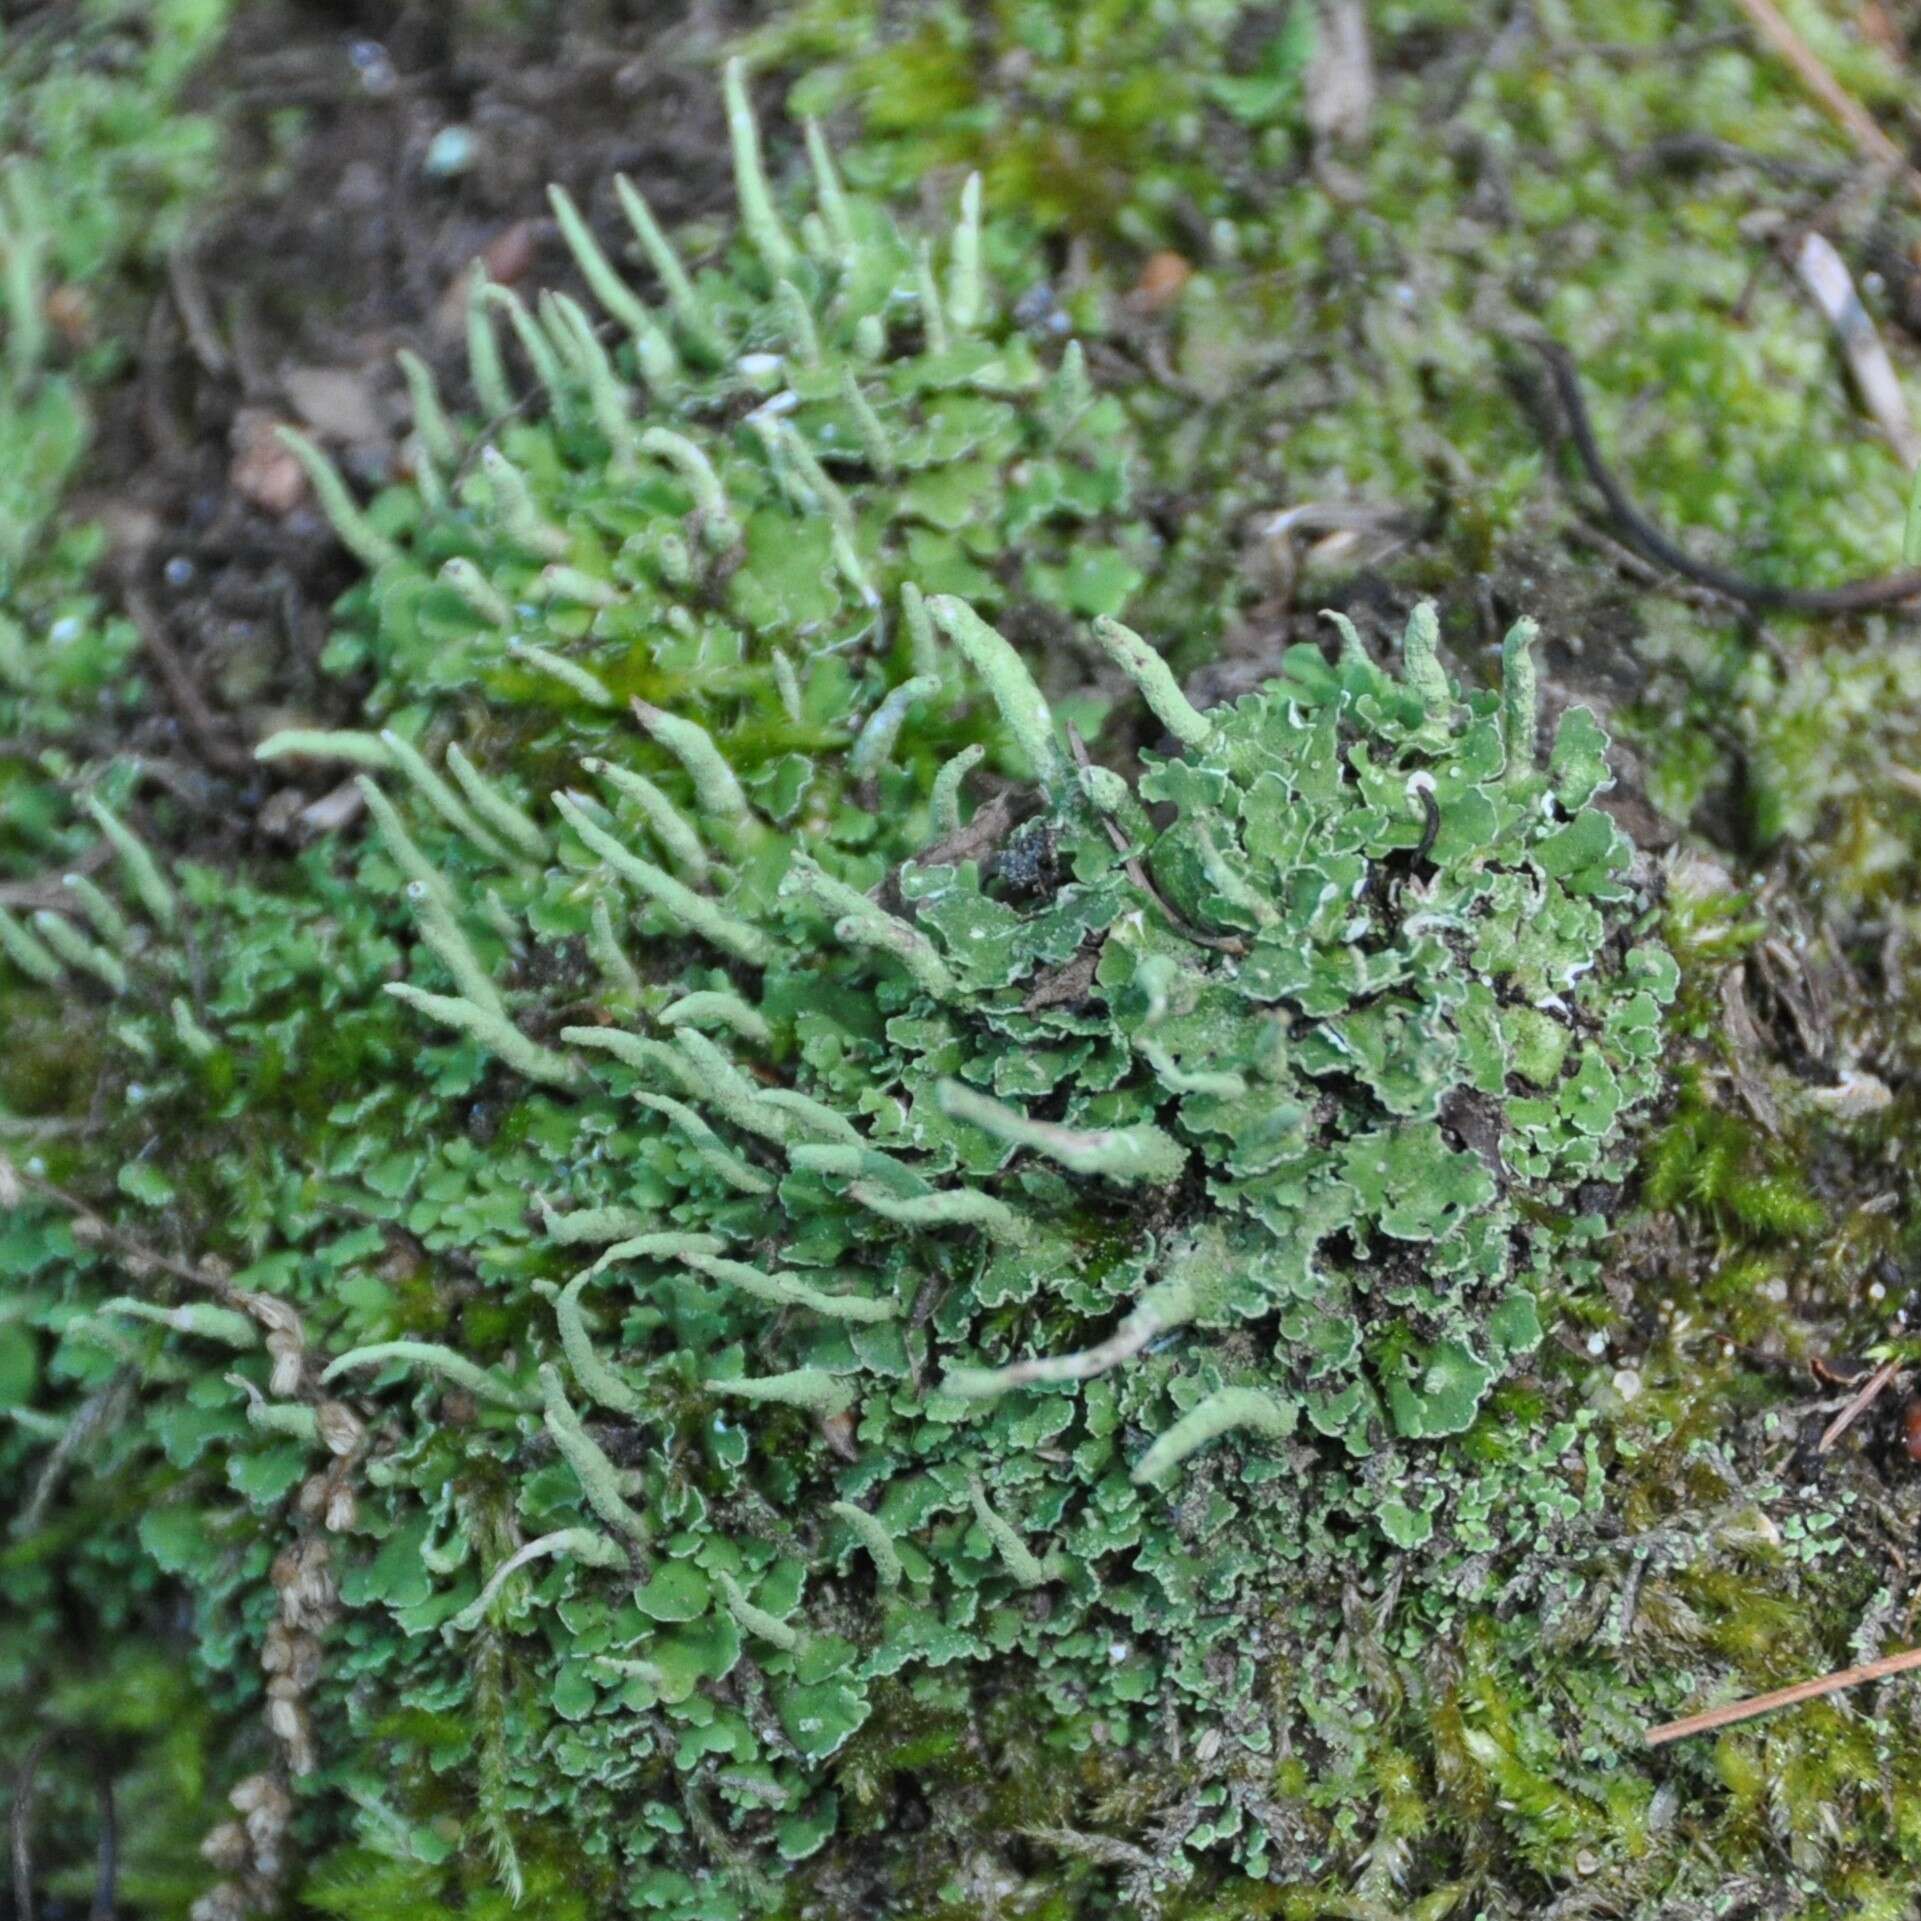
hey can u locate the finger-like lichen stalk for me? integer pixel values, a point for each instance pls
(102, 910)
(357, 533)
(828, 192)
(516, 511)
(1520, 697)
(923, 647)
(203, 1319)
(587, 1226)
(409, 760)
(622, 979)
(945, 801)
(142, 870)
(862, 922)
(933, 314)
(811, 1389)
(493, 805)
(813, 1116)
(606, 1386)
(966, 283)
(189, 1032)
(484, 365)
(600, 1480)
(480, 1382)
(875, 747)
(1129, 1155)
(588, 685)
(676, 834)
(581, 1544)
(718, 527)
(875, 1539)
(607, 393)
(33, 957)
(718, 1080)
(652, 1058)
(430, 417)
(757, 216)
(1226, 1411)
(493, 1030)
(717, 789)
(1169, 1304)
(1421, 661)
(596, 269)
(76, 950)
(697, 326)
(710, 1007)
(354, 748)
(951, 1207)
(477, 591)
(671, 1246)
(789, 1290)
(757, 1621)
(1016, 1556)
(1021, 703)
(294, 1420)
(695, 912)
(731, 1168)
(1151, 674)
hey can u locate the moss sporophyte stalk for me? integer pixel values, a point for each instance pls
(767, 1251)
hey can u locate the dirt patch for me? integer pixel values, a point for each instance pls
(376, 151)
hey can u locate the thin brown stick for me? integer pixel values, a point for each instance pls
(1746, 1710)
(1862, 128)
(1864, 1400)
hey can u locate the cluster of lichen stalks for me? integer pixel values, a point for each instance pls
(1056, 1243)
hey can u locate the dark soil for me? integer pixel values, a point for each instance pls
(346, 235)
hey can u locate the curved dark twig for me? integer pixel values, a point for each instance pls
(107, 1876)
(22, 1828)
(1859, 596)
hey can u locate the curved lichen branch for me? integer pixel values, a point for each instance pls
(493, 1030)
(1022, 705)
(811, 1389)
(1169, 1304)
(757, 1621)
(137, 862)
(478, 1381)
(570, 1543)
(874, 1538)
(695, 912)
(782, 1289)
(736, 1172)
(951, 1207)
(1225, 1411)
(1020, 1560)
(600, 1380)
(717, 790)
(1143, 1152)
(862, 922)
(718, 1008)
(675, 832)
(226, 1325)
(601, 1482)
(1152, 675)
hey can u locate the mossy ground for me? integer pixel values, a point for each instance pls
(1342, 413)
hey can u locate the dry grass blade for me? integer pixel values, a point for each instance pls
(1757, 1704)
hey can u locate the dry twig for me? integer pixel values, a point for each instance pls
(1869, 1393)
(1732, 1711)
(1862, 128)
